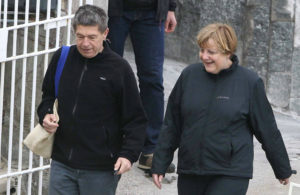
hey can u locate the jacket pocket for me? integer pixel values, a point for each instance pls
(218, 151)
(107, 142)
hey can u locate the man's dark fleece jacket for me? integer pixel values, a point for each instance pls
(101, 114)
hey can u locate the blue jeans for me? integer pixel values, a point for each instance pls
(147, 37)
(65, 180)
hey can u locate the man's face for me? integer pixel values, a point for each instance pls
(89, 40)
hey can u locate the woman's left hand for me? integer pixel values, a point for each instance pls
(157, 180)
(284, 181)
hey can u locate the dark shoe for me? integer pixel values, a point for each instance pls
(171, 168)
(145, 163)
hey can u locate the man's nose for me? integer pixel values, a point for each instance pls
(85, 41)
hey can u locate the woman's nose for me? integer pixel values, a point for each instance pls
(204, 55)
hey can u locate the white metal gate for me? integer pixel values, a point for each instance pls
(28, 35)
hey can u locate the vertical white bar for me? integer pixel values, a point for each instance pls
(47, 37)
(3, 43)
(40, 188)
(20, 158)
(0, 10)
(91, 2)
(36, 40)
(69, 22)
(290, 188)
(5, 14)
(80, 2)
(12, 99)
(3, 49)
(1, 102)
(57, 23)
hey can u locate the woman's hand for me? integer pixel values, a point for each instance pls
(157, 180)
(284, 181)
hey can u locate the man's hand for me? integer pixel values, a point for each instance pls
(171, 22)
(122, 165)
(157, 180)
(50, 123)
(284, 181)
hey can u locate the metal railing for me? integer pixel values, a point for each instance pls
(292, 185)
(10, 38)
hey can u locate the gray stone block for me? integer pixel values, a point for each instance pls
(280, 57)
(188, 23)
(278, 89)
(295, 93)
(282, 10)
(257, 64)
(256, 32)
(258, 3)
(192, 15)
(295, 105)
(282, 31)
(173, 47)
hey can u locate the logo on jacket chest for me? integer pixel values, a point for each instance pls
(221, 97)
(102, 78)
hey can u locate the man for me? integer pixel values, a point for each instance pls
(145, 21)
(102, 121)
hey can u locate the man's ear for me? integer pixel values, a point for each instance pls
(105, 33)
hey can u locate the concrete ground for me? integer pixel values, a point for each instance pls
(136, 182)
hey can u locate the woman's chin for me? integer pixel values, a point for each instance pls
(210, 69)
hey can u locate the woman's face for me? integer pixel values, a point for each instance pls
(213, 59)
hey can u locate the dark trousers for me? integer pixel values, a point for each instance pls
(211, 185)
(65, 180)
(147, 37)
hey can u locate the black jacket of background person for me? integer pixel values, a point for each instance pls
(212, 119)
(101, 115)
(115, 8)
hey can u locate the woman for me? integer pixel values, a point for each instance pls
(213, 112)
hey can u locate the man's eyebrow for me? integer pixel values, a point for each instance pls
(92, 35)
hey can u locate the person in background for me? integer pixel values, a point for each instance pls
(146, 21)
(213, 112)
(102, 123)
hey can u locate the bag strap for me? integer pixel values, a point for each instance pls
(60, 66)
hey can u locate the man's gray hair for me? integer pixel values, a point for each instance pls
(90, 15)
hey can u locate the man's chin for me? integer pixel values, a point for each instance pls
(87, 54)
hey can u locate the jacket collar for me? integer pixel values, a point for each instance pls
(234, 65)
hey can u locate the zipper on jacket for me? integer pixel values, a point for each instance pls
(107, 142)
(76, 100)
(207, 116)
(70, 154)
(78, 87)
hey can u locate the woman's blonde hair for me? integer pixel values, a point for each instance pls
(222, 34)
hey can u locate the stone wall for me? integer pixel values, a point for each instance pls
(269, 40)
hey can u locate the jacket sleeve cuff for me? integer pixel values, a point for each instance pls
(128, 157)
(172, 6)
(43, 114)
(284, 175)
